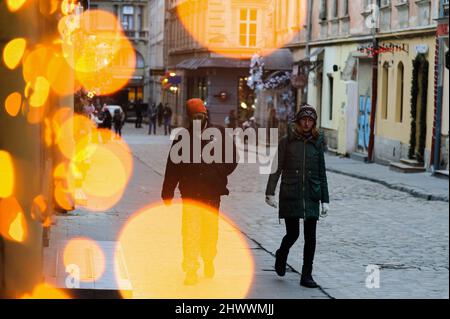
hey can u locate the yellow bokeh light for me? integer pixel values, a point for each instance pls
(12, 224)
(87, 255)
(154, 250)
(46, 291)
(73, 133)
(67, 6)
(17, 228)
(103, 167)
(6, 175)
(64, 196)
(48, 7)
(13, 52)
(61, 76)
(39, 208)
(13, 103)
(95, 47)
(35, 63)
(14, 5)
(40, 93)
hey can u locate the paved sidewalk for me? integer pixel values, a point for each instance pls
(421, 185)
(144, 189)
(405, 235)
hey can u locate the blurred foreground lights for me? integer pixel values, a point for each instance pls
(46, 291)
(13, 103)
(6, 175)
(13, 52)
(87, 256)
(159, 243)
(99, 164)
(12, 222)
(14, 5)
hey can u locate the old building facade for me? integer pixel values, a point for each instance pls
(341, 42)
(134, 18)
(209, 46)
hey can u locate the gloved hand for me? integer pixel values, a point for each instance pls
(270, 200)
(324, 210)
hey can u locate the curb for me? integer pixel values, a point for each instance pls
(401, 188)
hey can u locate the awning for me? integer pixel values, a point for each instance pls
(208, 62)
(279, 60)
(314, 53)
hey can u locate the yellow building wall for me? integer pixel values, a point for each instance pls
(389, 128)
(335, 55)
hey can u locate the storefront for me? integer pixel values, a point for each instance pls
(218, 82)
(405, 112)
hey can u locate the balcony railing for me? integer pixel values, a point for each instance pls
(137, 35)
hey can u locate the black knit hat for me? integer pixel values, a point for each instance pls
(306, 110)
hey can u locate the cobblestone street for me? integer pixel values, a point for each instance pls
(369, 224)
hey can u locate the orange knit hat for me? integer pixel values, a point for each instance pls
(195, 106)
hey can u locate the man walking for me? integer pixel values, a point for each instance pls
(203, 182)
(152, 115)
(304, 189)
(138, 108)
(167, 116)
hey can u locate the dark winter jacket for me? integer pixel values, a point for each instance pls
(301, 165)
(107, 120)
(198, 181)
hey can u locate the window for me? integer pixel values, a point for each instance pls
(140, 63)
(346, 9)
(139, 19)
(335, 8)
(323, 14)
(248, 27)
(128, 17)
(330, 106)
(385, 92)
(400, 92)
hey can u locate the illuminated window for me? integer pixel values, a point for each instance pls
(248, 27)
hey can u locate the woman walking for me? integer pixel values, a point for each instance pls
(304, 189)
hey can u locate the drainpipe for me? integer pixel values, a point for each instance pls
(373, 112)
(308, 46)
(438, 108)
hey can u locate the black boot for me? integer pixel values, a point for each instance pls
(307, 279)
(280, 263)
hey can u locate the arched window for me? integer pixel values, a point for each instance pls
(140, 63)
(400, 92)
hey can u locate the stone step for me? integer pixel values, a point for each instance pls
(362, 157)
(411, 162)
(407, 169)
(442, 174)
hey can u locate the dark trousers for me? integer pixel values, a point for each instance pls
(200, 232)
(292, 234)
(152, 126)
(138, 123)
(167, 126)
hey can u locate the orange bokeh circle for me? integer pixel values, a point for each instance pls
(153, 243)
(253, 30)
